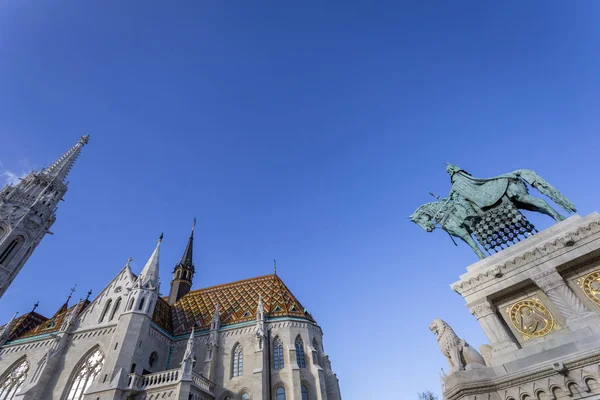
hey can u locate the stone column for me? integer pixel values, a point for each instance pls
(496, 332)
(563, 298)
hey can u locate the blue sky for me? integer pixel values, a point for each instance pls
(301, 131)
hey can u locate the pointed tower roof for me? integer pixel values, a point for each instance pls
(149, 275)
(61, 167)
(187, 260)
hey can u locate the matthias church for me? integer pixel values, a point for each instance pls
(245, 340)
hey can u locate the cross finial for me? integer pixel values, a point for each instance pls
(275, 267)
(35, 306)
(160, 238)
(88, 295)
(71, 294)
(129, 260)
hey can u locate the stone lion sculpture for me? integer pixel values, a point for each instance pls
(459, 354)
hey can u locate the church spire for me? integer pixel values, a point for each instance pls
(183, 272)
(61, 167)
(30, 206)
(149, 276)
(187, 254)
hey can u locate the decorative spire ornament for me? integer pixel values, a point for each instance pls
(71, 294)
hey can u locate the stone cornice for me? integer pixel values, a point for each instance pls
(569, 239)
(516, 379)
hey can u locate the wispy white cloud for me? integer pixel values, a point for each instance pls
(12, 177)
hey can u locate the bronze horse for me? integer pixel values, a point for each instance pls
(471, 197)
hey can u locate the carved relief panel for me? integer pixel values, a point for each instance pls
(584, 281)
(531, 318)
(530, 315)
(590, 284)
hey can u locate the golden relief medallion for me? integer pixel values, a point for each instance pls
(591, 286)
(531, 318)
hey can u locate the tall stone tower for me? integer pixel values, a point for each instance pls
(28, 210)
(183, 273)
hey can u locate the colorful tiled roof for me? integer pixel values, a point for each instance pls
(53, 324)
(162, 315)
(24, 323)
(237, 303)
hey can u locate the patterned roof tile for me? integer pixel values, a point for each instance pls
(237, 301)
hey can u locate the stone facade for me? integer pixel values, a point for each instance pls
(538, 303)
(133, 345)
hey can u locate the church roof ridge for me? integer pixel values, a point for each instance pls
(221, 285)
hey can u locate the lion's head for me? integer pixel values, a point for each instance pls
(438, 327)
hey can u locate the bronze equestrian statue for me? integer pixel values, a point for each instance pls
(473, 202)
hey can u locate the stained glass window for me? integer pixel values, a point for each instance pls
(300, 353)
(86, 374)
(278, 354)
(14, 381)
(280, 393)
(238, 361)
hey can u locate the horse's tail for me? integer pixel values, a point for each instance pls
(545, 188)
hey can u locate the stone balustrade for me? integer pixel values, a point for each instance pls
(169, 377)
(143, 382)
(203, 383)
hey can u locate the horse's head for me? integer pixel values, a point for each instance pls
(423, 217)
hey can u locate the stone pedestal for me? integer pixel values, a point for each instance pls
(538, 303)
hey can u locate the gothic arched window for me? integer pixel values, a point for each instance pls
(11, 249)
(277, 354)
(105, 311)
(304, 393)
(13, 381)
(130, 305)
(300, 353)
(141, 303)
(85, 375)
(115, 309)
(280, 393)
(238, 361)
(153, 359)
